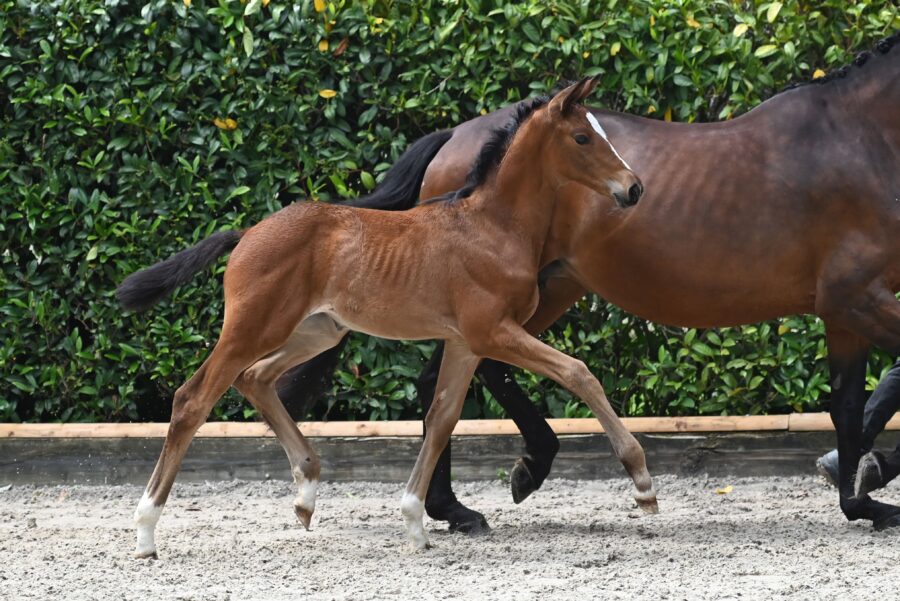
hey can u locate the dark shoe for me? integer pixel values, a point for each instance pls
(869, 474)
(827, 466)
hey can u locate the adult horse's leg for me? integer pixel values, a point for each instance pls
(860, 315)
(847, 355)
(541, 443)
(440, 501)
(302, 386)
(314, 335)
(457, 366)
(513, 344)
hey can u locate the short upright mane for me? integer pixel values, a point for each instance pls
(494, 149)
(882, 47)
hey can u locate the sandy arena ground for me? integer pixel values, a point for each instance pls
(773, 538)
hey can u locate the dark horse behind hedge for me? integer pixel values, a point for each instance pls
(791, 208)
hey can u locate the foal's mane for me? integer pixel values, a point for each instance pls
(494, 149)
(882, 47)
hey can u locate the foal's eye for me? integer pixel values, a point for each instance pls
(581, 139)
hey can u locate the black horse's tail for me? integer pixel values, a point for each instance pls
(145, 288)
(399, 189)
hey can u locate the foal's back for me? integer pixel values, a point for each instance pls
(361, 265)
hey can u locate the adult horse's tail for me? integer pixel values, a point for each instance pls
(145, 288)
(399, 189)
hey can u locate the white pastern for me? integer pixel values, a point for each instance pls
(645, 496)
(599, 129)
(145, 518)
(413, 510)
(306, 494)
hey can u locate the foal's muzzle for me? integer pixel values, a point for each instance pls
(630, 198)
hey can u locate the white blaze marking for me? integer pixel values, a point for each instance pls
(599, 129)
(145, 517)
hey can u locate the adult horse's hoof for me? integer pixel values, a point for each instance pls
(460, 518)
(887, 523)
(146, 555)
(868, 475)
(473, 526)
(521, 482)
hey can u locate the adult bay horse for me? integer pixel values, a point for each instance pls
(462, 269)
(791, 208)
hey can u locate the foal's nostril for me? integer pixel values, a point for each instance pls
(634, 193)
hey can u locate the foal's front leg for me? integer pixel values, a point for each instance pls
(512, 344)
(457, 367)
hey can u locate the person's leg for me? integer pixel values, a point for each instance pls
(875, 468)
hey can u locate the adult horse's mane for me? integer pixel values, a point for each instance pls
(882, 47)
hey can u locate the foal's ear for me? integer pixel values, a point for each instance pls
(563, 102)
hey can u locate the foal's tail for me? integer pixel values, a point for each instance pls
(145, 288)
(399, 189)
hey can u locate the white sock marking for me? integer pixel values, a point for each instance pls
(306, 494)
(599, 129)
(645, 496)
(413, 511)
(145, 517)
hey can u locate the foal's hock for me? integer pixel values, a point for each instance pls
(462, 268)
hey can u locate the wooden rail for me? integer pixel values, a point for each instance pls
(796, 422)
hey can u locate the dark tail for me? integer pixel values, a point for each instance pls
(399, 190)
(145, 288)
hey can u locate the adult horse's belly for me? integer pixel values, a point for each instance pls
(677, 275)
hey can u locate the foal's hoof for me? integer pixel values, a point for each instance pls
(887, 523)
(146, 555)
(647, 501)
(521, 482)
(868, 475)
(304, 515)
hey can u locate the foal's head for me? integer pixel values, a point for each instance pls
(578, 150)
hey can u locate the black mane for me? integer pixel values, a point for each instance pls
(494, 149)
(882, 47)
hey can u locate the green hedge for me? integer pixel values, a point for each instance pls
(128, 132)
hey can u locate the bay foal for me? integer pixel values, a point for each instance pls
(462, 269)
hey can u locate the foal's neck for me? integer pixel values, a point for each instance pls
(518, 198)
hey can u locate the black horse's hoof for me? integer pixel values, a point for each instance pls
(868, 475)
(521, 482)
(473, 526)
(460, 518)
(887, 523)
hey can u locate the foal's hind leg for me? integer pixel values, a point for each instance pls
(314, 335)
(190, 408)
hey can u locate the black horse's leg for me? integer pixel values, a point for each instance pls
(541, 443)
(441, 502)
(302, 386)
(847, 355)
